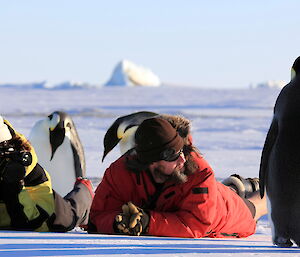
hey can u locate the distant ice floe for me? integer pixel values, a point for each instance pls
(127, 73)
(71, 85)
(39, 84)
(270, 84)
(47, 85)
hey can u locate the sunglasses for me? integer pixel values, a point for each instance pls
(170, 155)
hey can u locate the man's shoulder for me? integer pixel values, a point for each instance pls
(202, 164)
(118, 173)
(203, 171)
(120, 162)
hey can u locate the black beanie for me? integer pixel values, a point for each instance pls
(153, 136)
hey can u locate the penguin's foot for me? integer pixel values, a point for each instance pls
(87, 183)
(297, 243)
(243, 187)
(282, 242)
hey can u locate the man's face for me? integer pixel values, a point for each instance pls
(163, 171)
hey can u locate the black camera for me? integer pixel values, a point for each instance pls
(8, 152)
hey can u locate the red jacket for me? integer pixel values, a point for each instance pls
(200, 207)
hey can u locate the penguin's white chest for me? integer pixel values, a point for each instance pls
(61, 167)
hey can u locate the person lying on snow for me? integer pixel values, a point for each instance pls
(27, 201)
(164, 187)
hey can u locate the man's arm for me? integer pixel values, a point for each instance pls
(107, 203)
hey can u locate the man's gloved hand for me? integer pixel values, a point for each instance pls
(12, 175)
(133, 220)
(13, 166)
(13, 172)
(9, 190)
(12, 180)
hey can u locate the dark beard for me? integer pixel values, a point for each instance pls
(176, 177)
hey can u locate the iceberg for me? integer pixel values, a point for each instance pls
(270, 84)
(127, 73)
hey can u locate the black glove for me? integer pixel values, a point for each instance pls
(8, 190)
(13, 172)
(13, 166)
(12, 181)
(132, 221)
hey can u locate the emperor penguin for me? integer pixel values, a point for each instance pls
(279, 172)
(122, 131)
(59, 150)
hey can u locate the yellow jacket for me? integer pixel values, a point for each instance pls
(35, 199)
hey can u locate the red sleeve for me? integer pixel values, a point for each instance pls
(105, 206)
(110, 195)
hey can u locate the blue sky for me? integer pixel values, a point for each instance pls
(199, 43)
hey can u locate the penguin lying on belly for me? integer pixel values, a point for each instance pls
(122, 131)
(59, 150)
(280, 164)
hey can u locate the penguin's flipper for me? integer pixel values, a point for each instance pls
(77, 148)
(269, 142)
(116, 131)
(79, 162)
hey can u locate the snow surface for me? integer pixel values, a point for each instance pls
(228, 126)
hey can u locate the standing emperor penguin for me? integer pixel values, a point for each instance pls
(59, 150)
(280, 164)
(122, 131)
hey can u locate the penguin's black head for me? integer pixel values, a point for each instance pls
(57, 133)
(111, 138)
(296, 67)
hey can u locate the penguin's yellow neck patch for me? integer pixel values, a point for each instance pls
(121, 130)
(54, 121)
(293, 74)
